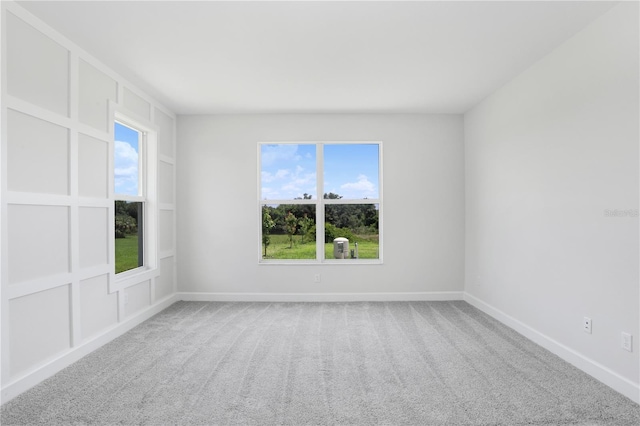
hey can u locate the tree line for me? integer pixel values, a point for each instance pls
(341, 220)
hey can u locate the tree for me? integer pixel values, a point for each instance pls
(267, 226)
(306, 223)
(127, 208)
(332, 196)
(124, 225)
(291, 224)
(126, 218)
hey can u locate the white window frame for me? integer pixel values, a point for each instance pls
(147, 194)
(320, 202)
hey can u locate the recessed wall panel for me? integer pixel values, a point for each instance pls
(94, 242)
(37, 155)
(166, 183)
(95, 90)
(38, 241)
(136, 104)
(93, 172)
(164, 283)
(37, 67)
(138, 298)
(98, 307)
(166, 230)
(38, 327)
(165, 133)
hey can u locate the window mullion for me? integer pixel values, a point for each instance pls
(129, 198)
(353, 201)
(320, 201)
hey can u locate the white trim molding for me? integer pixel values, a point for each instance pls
(610, 378)
(42, 372)
(321, 297)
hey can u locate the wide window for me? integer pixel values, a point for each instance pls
(129, 197)
(320, 202)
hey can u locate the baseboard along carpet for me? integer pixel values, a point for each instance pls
(364, 363)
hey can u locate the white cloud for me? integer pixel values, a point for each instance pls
(292, 184)
(126, 168)
(268, 192)
(272, 153)
(360, 189)
(294, 178)
(291, 188)
(281, 174)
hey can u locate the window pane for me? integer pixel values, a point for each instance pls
(126, 160)
(351, 171)
(288, 171)
(289, 231)
(129, 237)
(358, 223)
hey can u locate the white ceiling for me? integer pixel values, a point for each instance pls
(209, 57)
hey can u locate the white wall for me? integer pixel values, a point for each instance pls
(58, 301)
(218, 226)
(546, 156)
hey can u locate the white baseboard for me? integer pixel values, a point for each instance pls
(610, 378)
(321, 297)
(42, 372)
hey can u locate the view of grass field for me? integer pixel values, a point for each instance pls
(279, 248)
(126, 253)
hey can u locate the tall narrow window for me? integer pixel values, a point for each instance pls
(320, 201)
(129, 189)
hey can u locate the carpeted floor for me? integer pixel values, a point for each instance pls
(397, 363)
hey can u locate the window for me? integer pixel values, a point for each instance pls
(129, 198)
(320, 202)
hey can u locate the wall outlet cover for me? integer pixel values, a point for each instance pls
(627, 342)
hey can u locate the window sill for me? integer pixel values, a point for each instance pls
(320, 262)
(130, 278)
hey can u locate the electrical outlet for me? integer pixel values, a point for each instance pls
(126, 298)
(316, 278)
(627, 342)
(586, 325)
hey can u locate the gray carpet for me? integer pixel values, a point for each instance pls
(411, 363)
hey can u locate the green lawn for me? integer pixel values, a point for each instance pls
(279, 248)
(366, 249)
(126, 253)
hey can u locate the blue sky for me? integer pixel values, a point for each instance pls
(126, 155)
(289, 170)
